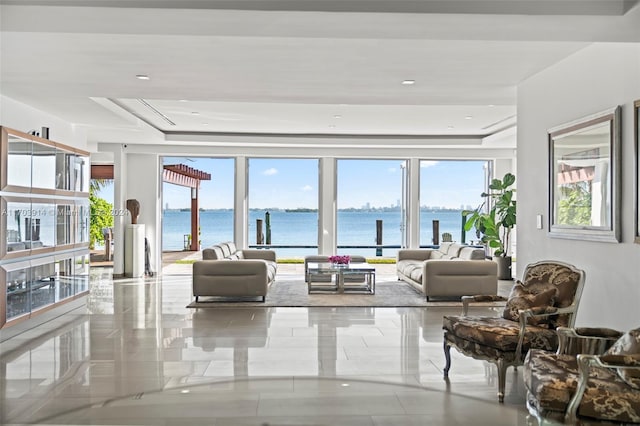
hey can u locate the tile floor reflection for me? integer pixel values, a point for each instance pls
(135, 355)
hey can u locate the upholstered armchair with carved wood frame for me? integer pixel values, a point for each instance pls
(593, 377)
(547, 298)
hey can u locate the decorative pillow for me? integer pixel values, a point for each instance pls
(212, 253)
(628, 344)
(436, 254)
(471, 253)
(520, 298)
(232, 246)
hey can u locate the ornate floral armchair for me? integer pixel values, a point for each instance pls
(547, 298)
(594, 375)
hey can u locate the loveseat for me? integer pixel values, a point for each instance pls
(451, 270)
(226, 271)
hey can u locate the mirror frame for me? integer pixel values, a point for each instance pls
(636, 181)
(611, 232)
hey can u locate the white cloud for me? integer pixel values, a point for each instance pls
(306, 188)
(392, 169)
(428, 163)
(270, 172)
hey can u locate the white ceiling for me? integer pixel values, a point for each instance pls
(293, 67)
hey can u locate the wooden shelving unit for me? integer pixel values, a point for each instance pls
(44, 225)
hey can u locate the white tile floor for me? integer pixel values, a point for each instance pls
(135, 355)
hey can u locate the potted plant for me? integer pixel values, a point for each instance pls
(494, 227)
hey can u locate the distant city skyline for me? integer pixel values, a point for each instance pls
(293, 183)
(309, 209)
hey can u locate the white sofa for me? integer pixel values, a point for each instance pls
(452, 270)
(226, 271)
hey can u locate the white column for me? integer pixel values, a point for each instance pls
(413, 207)
(327, 206)
(241, 205)
(502, 166)
(144, 184)
(134, 251)
(119, 206)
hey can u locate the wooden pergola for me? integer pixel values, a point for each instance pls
(177, 174)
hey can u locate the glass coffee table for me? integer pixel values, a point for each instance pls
(357, 277)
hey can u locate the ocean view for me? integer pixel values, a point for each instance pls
(355, 227)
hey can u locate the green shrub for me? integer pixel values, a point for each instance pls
(101, 217)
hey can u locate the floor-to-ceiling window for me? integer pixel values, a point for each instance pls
(283, 196)
(447, 188)
(369, 191)
(216, 198)
(369, 196)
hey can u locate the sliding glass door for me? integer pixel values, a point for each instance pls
(283, 205)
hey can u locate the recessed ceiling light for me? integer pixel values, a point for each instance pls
(408, 82)
(449, 127)
(491, 105)
(182, 100)
(205, 124)
(332, 125)
(195, 113)
(143, 77)
(468, 117)
(337, 116)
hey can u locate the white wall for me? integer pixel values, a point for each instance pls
(594, 79)
(22, 117)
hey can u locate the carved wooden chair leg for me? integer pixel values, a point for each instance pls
(447, 357)
(502, 379)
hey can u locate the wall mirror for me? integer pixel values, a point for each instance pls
(636, 189)
(584, 178)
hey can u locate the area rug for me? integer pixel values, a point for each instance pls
(293, 293)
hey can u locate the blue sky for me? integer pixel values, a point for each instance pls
(293, 183)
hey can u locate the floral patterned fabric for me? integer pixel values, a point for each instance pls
(544, 276)
(628, 345)
(488, 298)
(551, 380)
(498, 335)
(521, 299)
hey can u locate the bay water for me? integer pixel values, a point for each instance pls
(355, 227)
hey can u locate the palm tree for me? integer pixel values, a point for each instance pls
(96, 185)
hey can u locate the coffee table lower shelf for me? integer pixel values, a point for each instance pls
(353, 278)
